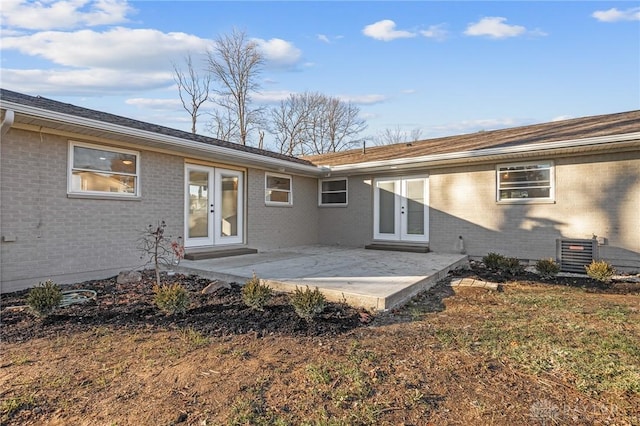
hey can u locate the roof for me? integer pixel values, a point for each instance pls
(90, 114)
(573, 129)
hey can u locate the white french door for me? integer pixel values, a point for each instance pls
(213, 206)
(401, 209)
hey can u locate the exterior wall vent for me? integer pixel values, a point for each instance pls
(573, 255)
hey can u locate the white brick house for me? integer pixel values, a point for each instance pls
(78, 186)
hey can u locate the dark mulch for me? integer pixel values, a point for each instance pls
(223, 313)
(623, 284)
(131, 306)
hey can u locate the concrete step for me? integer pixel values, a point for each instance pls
(201, 254)
(409, 248)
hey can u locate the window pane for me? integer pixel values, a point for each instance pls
(229, 197)
(334, 185)
(277, 182)
(334, 198)
(387, 207)
(525, 181)
(278, 196)
(415, 207)
(82, 181)
(106, 161)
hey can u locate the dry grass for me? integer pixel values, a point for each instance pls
(526, 355)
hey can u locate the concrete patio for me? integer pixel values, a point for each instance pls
(371, 279)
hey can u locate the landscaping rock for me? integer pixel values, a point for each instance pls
(215, 286)
(129, 277)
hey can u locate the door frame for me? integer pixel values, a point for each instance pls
(400, 233)
(214, 200)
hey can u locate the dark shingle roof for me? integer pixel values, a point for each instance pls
(64, 108)
(578, 128)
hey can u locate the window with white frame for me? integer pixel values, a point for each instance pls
(332, 192)
(101, 170)
(525, 182)
(278, 189)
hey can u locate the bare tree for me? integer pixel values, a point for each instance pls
(235, 64)
(193, 89)
(290, 121)
(416, 134)
(397, 135)
(343, 125)
(223, 125)
(313, 123)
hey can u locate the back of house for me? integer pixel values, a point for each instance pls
(79, 187)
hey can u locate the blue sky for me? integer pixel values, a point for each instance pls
(441, 67)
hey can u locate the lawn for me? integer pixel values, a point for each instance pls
(530, 353)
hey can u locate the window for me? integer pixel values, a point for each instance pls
(278, 189)
(99, 170)
(333, 192)
(525, 182)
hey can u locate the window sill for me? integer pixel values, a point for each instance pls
(104, 197)
(267, 204)
(525, 201)
(333, 206)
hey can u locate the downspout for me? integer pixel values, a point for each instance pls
(7, 122)
(9, 116)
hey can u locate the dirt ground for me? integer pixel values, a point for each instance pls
(463, 356)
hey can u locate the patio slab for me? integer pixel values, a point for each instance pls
(371, 279)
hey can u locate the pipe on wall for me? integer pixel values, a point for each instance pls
(7, 122)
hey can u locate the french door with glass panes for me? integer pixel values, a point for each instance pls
(401, 209)
(213, 206)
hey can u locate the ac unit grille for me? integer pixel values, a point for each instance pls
(573, 254)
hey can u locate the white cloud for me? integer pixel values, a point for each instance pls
(437, 32)
(615, 15)
(363, 99)
(66, 14)
(408, 91)
(472, 126)
(328, 39)
(278, 52)
(155, 104)
(385, 30)
(118, 48)
(562, 118)
(271, 96)
(87, 81)
(494, 27)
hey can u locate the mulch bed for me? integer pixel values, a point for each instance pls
(623, 284)
(131, 306)
(223, 313)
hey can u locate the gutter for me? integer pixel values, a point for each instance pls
(7, 122)
(238, 156)
(484, 153)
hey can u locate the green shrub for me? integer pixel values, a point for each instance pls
(255, 295)
(600, 270)
(547, 268)
(308, 303)
(171, 298)
(493, 261)
(45, 298)
(498, 262)
(511, 266)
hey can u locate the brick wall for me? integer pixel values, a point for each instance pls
(352, 225)
(595, 195)
(281, 226)
(67, 239)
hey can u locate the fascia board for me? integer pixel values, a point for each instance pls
(483, 154)
(245, 158)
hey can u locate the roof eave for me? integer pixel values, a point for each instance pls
(174, 143)
(482, 155)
